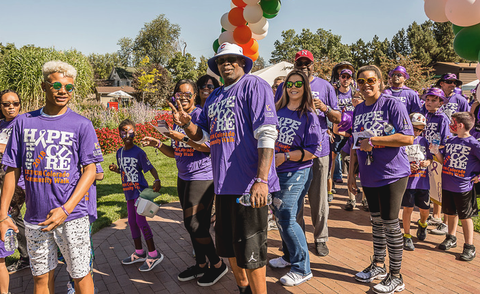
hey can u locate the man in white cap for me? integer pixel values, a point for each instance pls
(240, 120)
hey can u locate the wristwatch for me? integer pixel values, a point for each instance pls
(185, 139)
(186, 125)
(259, 180)
(328, 109)
(287, 156)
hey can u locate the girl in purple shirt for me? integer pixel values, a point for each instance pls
(381, 126)
(299, 141)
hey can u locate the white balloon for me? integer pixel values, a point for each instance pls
(232, 5)
(477, 71)
(259, 36)
(226, 36)
(226, 24)
(259, 27)
(251, 2)
(435, 10)
(253, 13)
(463, 13)
(211, 73)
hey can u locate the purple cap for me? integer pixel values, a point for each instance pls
(346, 71)
(401, 70)
(449, 76)
(346, 122)
(434, 92)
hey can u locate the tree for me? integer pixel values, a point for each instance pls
(285, 50)
(444, 36)
(259, 64)
(158, 40)
(361, 54)
(103, 64)
(202, 66)
(182, 67)
(21, 70)
(125, 53)
(152, 82)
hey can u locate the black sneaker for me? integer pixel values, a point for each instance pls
(350, 205)
(449, 242)
(212, 275)
(408, 244)
(421, 232)
(372, 272)
(468, 253)
(322, 249)
(192, 272)
(389, 285)
(19, 265)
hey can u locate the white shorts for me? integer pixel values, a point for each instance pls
(73, 240)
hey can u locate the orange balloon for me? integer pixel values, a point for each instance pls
(250, 48)
(235, 17)
(254, 57)
(239, 3)
(242, 34)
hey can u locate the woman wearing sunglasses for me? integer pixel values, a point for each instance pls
(381, 127)
(195, 189)
(298, 142)
(205, 86)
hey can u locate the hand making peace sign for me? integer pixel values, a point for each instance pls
(180, 117)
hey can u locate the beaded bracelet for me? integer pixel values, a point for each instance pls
(64, 210)
(1, 221)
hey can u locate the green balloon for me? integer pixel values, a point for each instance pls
(223, 30)
(456, 28)
(215, 46)
(222, 80)
(269, 15)
(467, 42)
(270, 6)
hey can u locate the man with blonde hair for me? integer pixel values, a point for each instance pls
(52, 145)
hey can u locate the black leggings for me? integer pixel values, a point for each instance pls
(384, 204)
(196, 198)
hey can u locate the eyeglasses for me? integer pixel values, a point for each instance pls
(209, 86)
(7, 104)
(417, 129)
(57, 86)
(397, 75)
(229, 59)
(129, 134)
(345, 77)
(449, 82)
(185, 95)
(298, 84)
(300, 63)
(371, 81)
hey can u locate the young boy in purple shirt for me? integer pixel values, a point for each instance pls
(52, 145)
(461, 169)
(418, 186)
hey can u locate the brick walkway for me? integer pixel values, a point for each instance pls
(425, 270)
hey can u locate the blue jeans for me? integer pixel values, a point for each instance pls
(286, 203)
(337, 174)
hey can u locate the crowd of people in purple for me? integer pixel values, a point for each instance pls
(244, 140)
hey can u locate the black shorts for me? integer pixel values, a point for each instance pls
(338, 143)
(241, 232)
(463, 204)
(416, 197)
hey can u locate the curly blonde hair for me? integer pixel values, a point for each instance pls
(60, 67)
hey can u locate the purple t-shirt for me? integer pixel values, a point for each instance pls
(296, 133)
(192, 165)
(51, 151)
(456, 103)
(5, 131)
(230, 117)
(417, 152)
(407, 96)
(461, 162)
(345, 100)
(438, 126)
(91, 197)
(389, 163)
(131, 163)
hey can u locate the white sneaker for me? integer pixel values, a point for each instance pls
(294, 279)
(70, 289)
(278, 262)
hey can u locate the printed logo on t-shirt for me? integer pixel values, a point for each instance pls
(431, 131)
(456, 162)
(286, 133)
(5, 135)
(449, 109)
(182, 148)
(372, 121)
(222, 128)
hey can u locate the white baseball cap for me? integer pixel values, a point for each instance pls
(418, 119)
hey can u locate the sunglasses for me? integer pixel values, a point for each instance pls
(7, 104)
(229, 59)
(298, 84)
(345, 77)
(449, 82)
(417, 129)
(371, 81)
(299, 63)
(208, 86)
(124, 135)
(186, 95)
(57, 86)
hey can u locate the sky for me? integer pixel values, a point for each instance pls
(96, 26)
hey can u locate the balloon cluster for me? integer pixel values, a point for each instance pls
(246, 23)
(465, 17)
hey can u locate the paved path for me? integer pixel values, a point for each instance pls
(425, 270)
